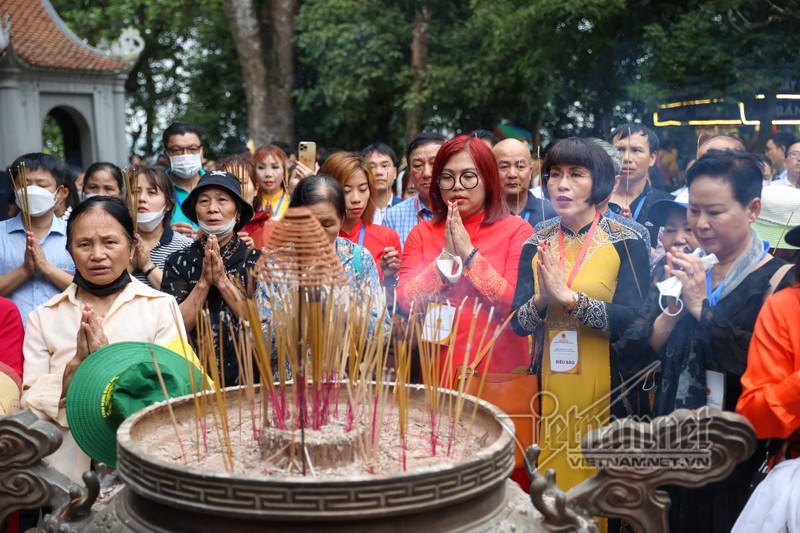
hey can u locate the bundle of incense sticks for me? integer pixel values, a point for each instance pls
(132, 189)
(20, 185)
(238, 170)
(309, 344)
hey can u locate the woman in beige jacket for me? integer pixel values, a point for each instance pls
(102, 305)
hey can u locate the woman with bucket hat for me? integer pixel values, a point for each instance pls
(203, 273)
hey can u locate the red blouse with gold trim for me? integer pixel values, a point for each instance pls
(490, 280)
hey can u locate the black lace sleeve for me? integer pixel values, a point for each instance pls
(527, 319)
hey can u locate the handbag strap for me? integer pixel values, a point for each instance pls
(776, 278)
(476, 363)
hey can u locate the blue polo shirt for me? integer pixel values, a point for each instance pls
(36, 290)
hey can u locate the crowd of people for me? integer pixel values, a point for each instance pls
(600, 274)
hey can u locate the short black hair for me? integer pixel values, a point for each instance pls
(319, 189)
(739, 169)
(485, 135)
(111, 205)
(40, 161)
(180, 128)
(784, 139)
(630, 128)
(381, 148)
(582, 152)
(111, 168)
(421, 139)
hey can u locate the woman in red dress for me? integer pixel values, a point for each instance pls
(469, 253)
(358, 182)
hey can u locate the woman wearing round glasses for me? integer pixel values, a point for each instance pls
(467, 255)
(581, 280)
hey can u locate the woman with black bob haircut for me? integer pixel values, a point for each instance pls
(581, 281)
(702, 340)
(102, 305)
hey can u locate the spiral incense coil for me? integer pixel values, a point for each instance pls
(300, 254)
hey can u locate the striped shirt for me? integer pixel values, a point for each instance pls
(169, 243)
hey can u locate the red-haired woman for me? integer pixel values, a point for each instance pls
(468, 253)
(272, 176)
(358, 182)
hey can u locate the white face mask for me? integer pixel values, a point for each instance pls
(672, 286)
(445, 266)
(40, 200)
(185, 166)
(150, 220)
(223, 230)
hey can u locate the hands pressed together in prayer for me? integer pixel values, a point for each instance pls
(90, 339)
(552, 279)
(140, 260)
(457, 241)
(35, 258)
(214, 273)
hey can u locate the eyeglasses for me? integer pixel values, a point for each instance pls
(182, 150)
(468, 180)
(572, 176)
(793, 155)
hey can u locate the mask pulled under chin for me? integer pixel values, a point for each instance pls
(149, 221)
(220, 231)
(40, 200)
(185, 166)
(102, 290)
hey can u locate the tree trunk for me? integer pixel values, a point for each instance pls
(243, 21)
(419, 62)
(278, 23)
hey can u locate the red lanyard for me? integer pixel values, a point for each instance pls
(585, 248)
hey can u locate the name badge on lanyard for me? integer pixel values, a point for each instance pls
(564, 354)
(438, 323)
(563, 331)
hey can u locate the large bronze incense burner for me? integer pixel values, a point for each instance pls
(335, 438)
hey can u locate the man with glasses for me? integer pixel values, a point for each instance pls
(516, 169)
(777, 146)
(183, 146)
(792, 177)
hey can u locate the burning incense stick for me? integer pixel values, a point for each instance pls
(169, 404)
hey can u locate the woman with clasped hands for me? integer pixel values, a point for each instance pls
(207, 272)
(468, 253)
(102, 305)
(581, 280)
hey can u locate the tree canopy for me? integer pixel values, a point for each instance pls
(554, 67)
